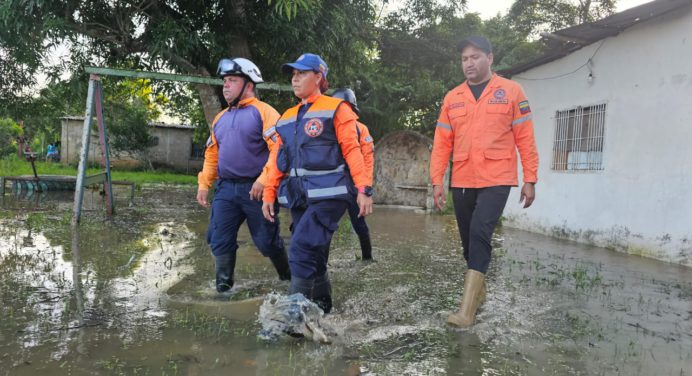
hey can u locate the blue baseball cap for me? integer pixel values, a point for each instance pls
(307, 62)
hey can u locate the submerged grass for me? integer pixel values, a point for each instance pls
(204, 325)
(13, 166)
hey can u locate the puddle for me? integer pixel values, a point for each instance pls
(134, 296)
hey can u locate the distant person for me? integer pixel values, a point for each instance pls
(368, 150)
(315, 170)
(52, 153)
(235, 158)
(481, 125)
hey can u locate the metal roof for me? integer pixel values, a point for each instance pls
(563, 42)
(152, 124)
(178, 126)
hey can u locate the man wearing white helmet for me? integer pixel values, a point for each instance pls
(235, 158)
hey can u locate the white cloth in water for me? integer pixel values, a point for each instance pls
(292, 315)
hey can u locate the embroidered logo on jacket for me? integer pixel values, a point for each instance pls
(499, 97)
(524, 107)
(314, 127)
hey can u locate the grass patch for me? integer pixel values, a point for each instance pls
(12, 166)
(205, 325)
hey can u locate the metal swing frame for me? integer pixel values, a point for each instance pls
(94, 102)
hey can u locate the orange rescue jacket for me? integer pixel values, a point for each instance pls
(482, 137)
(345, 126)
(367, 147)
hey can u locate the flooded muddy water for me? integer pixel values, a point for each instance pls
(134, 296)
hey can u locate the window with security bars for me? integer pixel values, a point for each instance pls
(578, 144)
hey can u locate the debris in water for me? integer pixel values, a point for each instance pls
(293, 315)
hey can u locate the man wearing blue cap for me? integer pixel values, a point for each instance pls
(315, 168)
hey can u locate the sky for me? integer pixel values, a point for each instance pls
(490, 8)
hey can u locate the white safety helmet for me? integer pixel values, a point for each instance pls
(239, 66)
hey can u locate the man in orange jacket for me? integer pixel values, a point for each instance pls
(481, 125)
(308, 173)
(368, 149)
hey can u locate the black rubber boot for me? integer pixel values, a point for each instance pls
(329, 247)
(303, 286)
(280, 263)
(224, 272)
(322, 293)
(365, 247)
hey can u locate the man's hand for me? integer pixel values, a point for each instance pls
(365, 204)
(439, 196)
(256, 191)
(528, 194)
(268, 211)
(202, 195)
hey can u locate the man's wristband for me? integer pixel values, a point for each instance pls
(366, 190)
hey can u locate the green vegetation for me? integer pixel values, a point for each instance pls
(206, 325)
(399, 59)
(9, 130)
(13, 166)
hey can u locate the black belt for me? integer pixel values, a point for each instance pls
(241, 180)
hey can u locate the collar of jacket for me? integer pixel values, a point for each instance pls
(494, 82)
(245, 102)
(311, 99)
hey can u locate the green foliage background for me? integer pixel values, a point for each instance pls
(400, 63)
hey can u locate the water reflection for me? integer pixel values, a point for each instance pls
(133, 296)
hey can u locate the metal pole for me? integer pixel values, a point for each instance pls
(33, 166)
(83, 155)
(561, 141)
(586, 142)
(103, 141)
(176, 77)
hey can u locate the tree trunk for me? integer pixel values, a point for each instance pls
(209, 97)
(584, 11)
(239, 44)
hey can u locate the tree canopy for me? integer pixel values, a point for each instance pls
(399, 63)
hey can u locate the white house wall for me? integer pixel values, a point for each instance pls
(641, 202)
